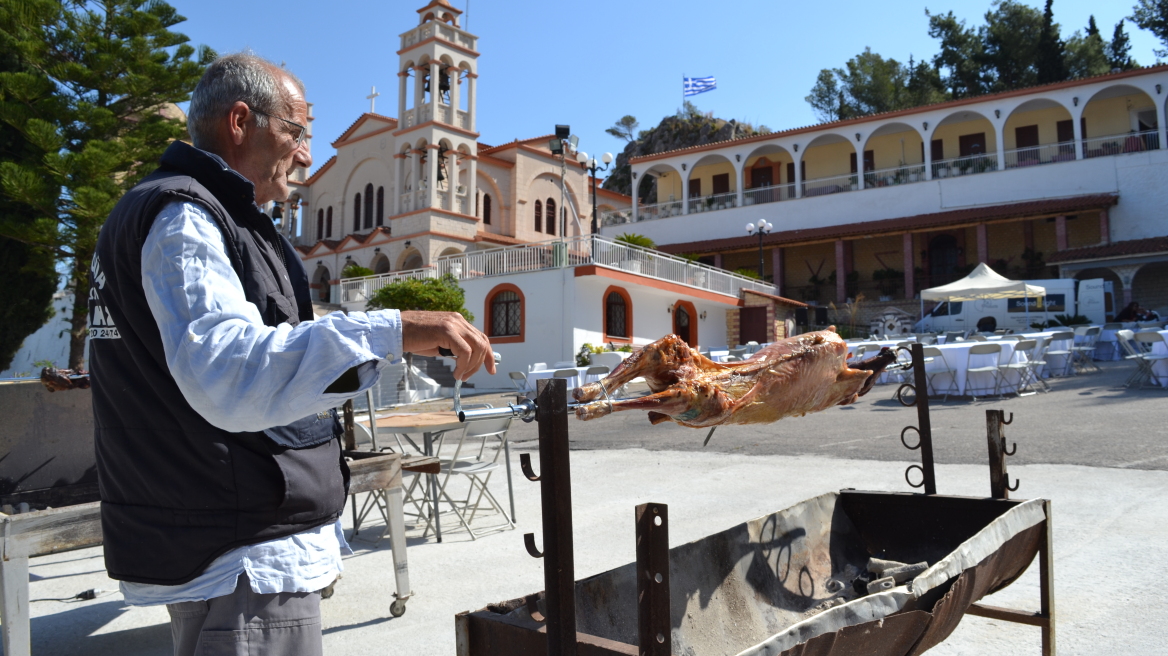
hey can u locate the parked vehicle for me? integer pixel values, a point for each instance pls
(1092, 298)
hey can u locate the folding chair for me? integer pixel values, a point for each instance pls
(900, 376)
(594, 374)
(1020, 362)
(939, 370)
(1058, 350)
(979, 350)
(977, 337)
(739, 352)
(1037, 362)
(1153, 356)
(469, 460)
(953, 335)
(570, 375)
(519, 380)
(1083, 355)
(1132, 351)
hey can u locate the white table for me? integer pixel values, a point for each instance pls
(1160, 367)
(956, 356)
(573, 382)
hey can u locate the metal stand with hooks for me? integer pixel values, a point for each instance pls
(924, 427)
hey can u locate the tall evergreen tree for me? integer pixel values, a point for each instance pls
(1119, 50)
(1086, 54)
(1152, 15)
(27, 271)
(870, 84)
(97, 100)
(1050, 62)
(962, 58)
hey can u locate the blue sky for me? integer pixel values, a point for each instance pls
(589, 63)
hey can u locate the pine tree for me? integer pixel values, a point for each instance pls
(1152, 15)
(1119, 50)
(97, 99)
(1051, 59)
(1086, 54)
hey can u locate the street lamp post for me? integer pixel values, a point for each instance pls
(593, 168)
(563, 143)
(762, 228)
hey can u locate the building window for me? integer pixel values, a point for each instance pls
(319, 225)
(328, 222)
(615, 313)
(368, 206)
(505, 314)
(538, 216)
(381, 206)
(684, 327)
(487, 209)
(357, 212)
(551, 217)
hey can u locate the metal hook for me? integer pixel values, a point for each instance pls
(1015, 486)
(1011, 451)
(908, 366)
(1006, 422)
(532, 603)
(525, 465)
(529, 542)
(900, 395)
(909, 481)
(906, 445)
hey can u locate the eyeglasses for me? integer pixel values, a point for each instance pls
(303, 128)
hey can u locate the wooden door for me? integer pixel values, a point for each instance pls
(752, 325)
(971, 144)
(681, 324)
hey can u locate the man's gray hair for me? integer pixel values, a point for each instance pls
(242, 76)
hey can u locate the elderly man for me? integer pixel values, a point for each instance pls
(221, 476)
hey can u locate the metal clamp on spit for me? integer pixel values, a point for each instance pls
(524, 409)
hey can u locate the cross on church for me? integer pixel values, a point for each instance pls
(372, 98)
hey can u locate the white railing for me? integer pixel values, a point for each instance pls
(577, 251)
(771, 194)
(905, 174)
(457, 36)
(969, 165)
(1036, 155)
(1118, 144)
(463, 119)
(713, 202)
(659, 211)
(444, 114)
(833, 185)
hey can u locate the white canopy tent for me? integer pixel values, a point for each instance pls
(983, 282)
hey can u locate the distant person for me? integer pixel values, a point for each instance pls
(1129, 313)
(1144, 314)
(987, 325)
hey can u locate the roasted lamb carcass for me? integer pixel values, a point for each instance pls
(792, 377)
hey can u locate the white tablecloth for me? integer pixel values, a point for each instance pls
(573, 382)
(956, 358)
(1161, 367)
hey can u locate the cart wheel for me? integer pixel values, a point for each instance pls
(397, 608)
(328, 590)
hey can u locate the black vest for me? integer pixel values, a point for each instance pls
(176, 491)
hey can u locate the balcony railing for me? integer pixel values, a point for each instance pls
(714, 202)
(1117, 144)
(616, 217)
(771, 194)
(899, 175)
(1044, 154)
(582, 250)
(969, 165)
(833, 185)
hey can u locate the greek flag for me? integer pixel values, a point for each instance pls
(692, 86)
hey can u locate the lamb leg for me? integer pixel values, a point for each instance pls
(662, 363)
(666, 403)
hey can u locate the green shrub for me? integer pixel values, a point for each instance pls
(355, 271)
(434, 294)
(633, 239)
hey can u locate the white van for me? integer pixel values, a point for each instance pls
(1091, 298)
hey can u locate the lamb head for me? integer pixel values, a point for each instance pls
(789, 378)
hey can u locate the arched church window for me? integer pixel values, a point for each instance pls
(357, 212)
(616, 313)
(538, 216)
(381, 206)
(506, 314)
(368, 206)
(319, 225)
(328, 223)
(551, 217)
(487, 209)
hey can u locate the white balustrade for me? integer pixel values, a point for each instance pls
(1118, 144)
(713, 202)
(898, 175)
(771, 194)
(831, 185)
(1044, 154)
(576, 251)
(969, 165)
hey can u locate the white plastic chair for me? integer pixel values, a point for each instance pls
(1020, 362)
(983, 350)
(594, 374)
(942, 369)
(1059, 356)
(470, 459)
(537, 366)
(1083, 354)
(1151, 357)
(519, 380)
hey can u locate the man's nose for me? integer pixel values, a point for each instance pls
(302, 157)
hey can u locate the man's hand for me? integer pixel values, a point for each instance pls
(423, 332)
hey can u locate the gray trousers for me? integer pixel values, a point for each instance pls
(244, 623)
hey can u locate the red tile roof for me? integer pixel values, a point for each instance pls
(1116, 249)
(1031, 209)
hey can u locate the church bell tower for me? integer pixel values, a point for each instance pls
(436, 136)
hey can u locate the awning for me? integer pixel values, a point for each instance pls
(983, 282)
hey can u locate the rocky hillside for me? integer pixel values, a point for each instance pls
(682, 130)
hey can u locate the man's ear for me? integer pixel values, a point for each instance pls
(237, 122)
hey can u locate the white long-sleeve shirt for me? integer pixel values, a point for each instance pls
(242, 375)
